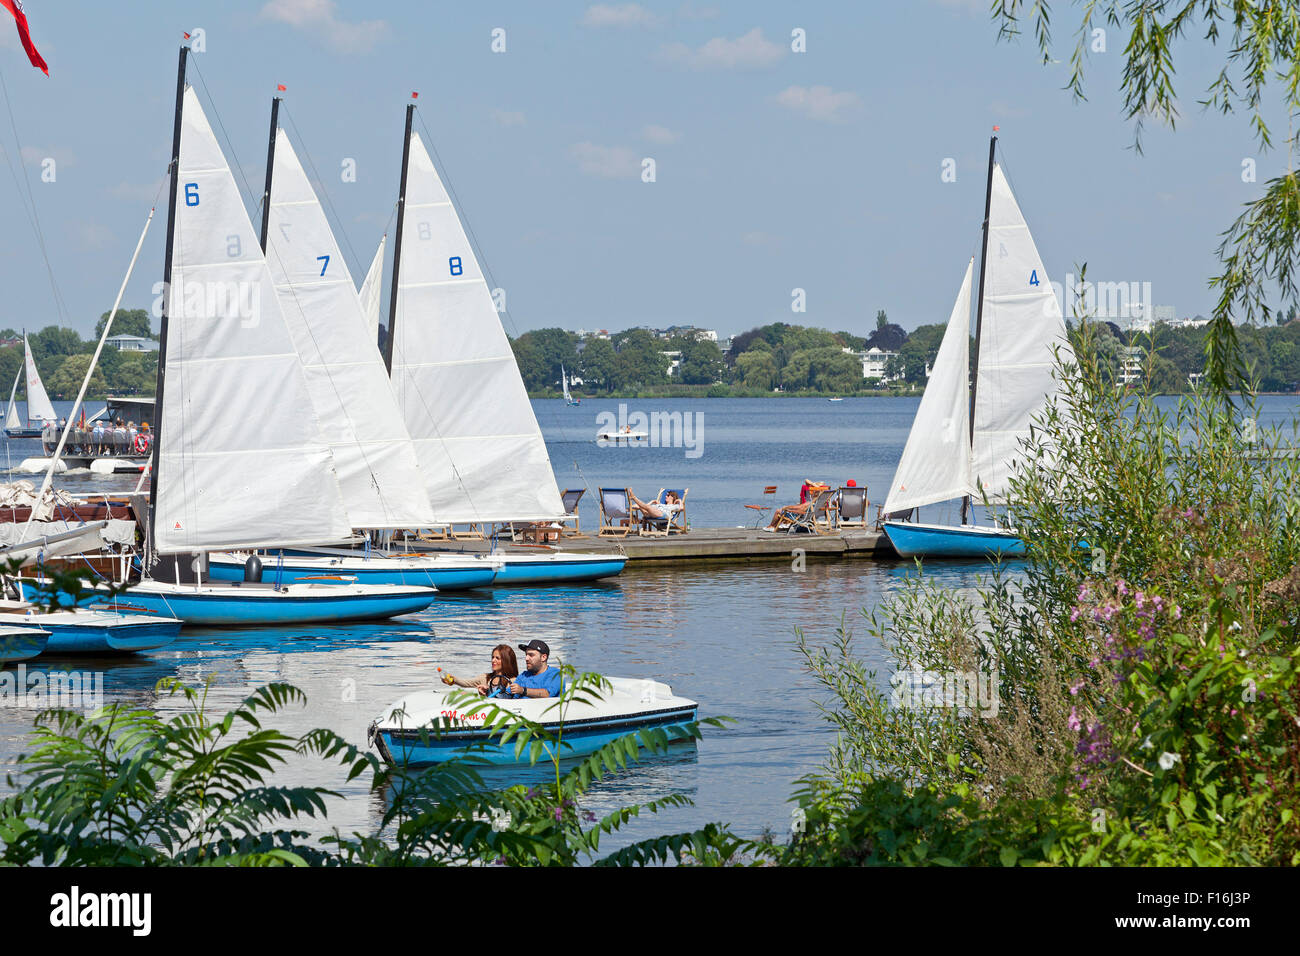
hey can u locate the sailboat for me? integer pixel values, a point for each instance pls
(966, 439)
(458, 385)
(238, 447)
(564, 381)
(350, 392)
(39, 408)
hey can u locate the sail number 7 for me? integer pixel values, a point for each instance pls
(326, 260)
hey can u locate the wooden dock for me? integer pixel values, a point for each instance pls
(735, 545)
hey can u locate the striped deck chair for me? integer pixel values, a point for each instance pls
(816, 519)
(615, 512)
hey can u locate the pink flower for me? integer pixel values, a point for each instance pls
(1073, 722)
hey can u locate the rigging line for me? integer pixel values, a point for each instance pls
(34, 217)
(230, 145)
(321, 192)
(459, 209)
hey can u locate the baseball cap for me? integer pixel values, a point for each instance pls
(536, 645)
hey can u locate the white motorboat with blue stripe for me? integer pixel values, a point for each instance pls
(429, 727)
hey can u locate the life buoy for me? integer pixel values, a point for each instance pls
(141, 443)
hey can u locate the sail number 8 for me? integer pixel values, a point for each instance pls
(191, 194)
(456, 268)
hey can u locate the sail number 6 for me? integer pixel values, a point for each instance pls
(191, 194)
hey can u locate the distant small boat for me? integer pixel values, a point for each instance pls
(621, 436)
(564, 381)
(424, 728)
(39, 408)
(834, 399)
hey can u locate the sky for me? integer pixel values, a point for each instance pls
(774, 169)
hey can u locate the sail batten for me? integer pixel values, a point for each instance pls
(455, 374)
(349, 386)
(241, 460)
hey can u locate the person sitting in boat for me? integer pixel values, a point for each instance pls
(539, 678)
(654, 509)
(505, 668)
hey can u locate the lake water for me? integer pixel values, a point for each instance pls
(720, 635)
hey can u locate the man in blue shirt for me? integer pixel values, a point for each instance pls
(538, 679)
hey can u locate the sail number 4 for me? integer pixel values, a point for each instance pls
(1033, 277)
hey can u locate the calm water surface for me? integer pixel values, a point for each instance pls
(722, 636)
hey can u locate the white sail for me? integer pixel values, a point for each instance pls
(564, 381)
(936, 460)
(38, 403)
(241, 459)
(1020, 325)
(372, 290)
(11, 419)
(455, 375)
(349, 384)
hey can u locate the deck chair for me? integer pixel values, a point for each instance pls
(570, 498)
(852, 510)
(769, 495)
(615, 512)
(814, 520)
(881, 517)
(674, 523)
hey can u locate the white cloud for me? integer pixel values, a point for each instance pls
(689, 11)
(95, 235)
(320, 17)
(508, 118)
(143, 192)
(618, 15)
(819, 103)
(660, 134)
(745, 52)
(608, 162)
(35, 155)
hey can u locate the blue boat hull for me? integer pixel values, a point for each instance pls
(23, 647)
(522, 571)
(413, 748)
(938, 541)
(140, 635)
(449, 579)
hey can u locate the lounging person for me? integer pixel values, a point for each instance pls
(808, 492)
(653, 509)
(539, 679)
(505, 668)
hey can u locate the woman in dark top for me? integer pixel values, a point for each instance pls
(505, 668)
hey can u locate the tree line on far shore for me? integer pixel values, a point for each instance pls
(797, 359)
(62, 357)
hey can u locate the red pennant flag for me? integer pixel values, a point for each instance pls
(280, 87)
(996, 128)
(16, 8)
(414, 95)
(186, 35)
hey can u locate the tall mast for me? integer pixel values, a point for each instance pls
(270, 168)
(979, 308)
(397, 245)
(166, 300)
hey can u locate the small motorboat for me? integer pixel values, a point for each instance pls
(621, 436)
(21, 643)
(431, 726)
(834, 399)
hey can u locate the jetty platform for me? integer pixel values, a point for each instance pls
(730, 545)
